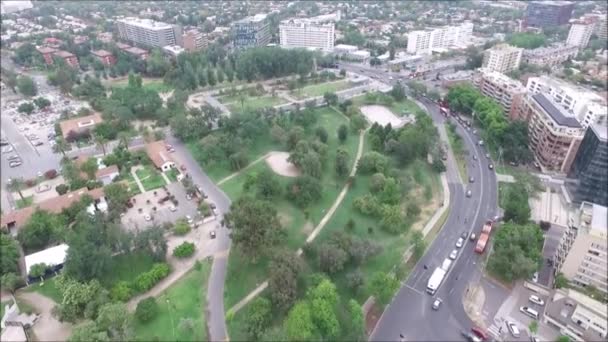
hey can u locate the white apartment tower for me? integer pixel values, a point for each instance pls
(149, 33)
(425, 42)
(502, 58)
(307, 34)
(580, 33)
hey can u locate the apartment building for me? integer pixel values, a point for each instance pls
(587, 106)
(548, 13)
(601, 29)
(148, 32)
(437, 39)
(555, 134)
(580, 32)
(251, 32)
(501, 88)
(502, 58)
(296, 33)
(194, 40)
(105, 57)
(550, 56)
(581, 255)
(576, 315)
(590, 165)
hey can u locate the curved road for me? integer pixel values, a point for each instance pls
(410, 313)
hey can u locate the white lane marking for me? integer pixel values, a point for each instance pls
(413, 289)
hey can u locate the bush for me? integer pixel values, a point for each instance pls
(184, 250)
(146, 309)
(50, 174)
(147, 280)
(121, 291)
(62, 189)
(181, 228)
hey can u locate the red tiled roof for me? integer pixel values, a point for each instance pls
(73, 124)
(101, 53)
(157, 151)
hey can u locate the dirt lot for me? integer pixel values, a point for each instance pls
(381, 115)
(279, 164)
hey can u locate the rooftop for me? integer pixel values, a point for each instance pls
(51, 257)
(553, 2)
(101, 53)
(599, 221)
(75, 124)
(146, 23)
(565, 302)
(44, 50)
(252, 19)
(601, 131)
(559, 115)
(541, 51)
(157, 151)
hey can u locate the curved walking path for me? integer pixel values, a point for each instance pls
(315, 232)
(225, 179)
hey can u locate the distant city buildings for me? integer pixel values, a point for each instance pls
(548, 13)
(550, 56)
(590, 166)
(148, 32)
(297, 33)
(501, 88)
(582, 252)
(351, 52)
(580, 32)
(194, 40)
(7, 6)
(503, 58)
(554, 133)
(442, 38)
(251, 32)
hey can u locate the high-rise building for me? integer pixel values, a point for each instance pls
(427, 41)
(587, 107)
(501, 88)
(580, 32)
(296, 33)
(601, 29)
(194, 40)
(548, 13)
(582, 251)
(148, 32)
(555, 134)
(251, 32)
(590, 167)
(502, 58)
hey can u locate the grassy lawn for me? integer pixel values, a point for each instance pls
(126, 267)
(155, 84)
(243, 275)
(320, 89)
(252, 103)
(48, 289)
(150, 178)
(25, 202)
(172, 174)
(186, 299)
(132, 185)
(459, 152)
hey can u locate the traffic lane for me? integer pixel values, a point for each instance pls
(495, 295)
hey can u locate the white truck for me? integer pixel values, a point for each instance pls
(437, 277)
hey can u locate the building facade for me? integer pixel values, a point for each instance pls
(194, 40)
(105, 57)
(427, 41)
(581, 255)
(548, 13)
(69, 58)
(502, 89)
(251, 32)
(576, 315)
(550, 56)
(502, 58)
(590, 167)
(580, 32)
(148, 32)
(554, 133)
(307, 34)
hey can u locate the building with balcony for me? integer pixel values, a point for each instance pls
(551, 55)
(548, 13)
(576, 315)
(148, 32)
(554, 133)
(47, 54)
(296, 33)
(105, 57)
(69, 58)
(441, 38)
(580, 32)
(590, 167)
(251, 32)
(581, 255)
(194, 40)
(502, 89)
(502, 58)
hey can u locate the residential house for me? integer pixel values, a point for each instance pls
(161, 158)
(105, 57)
(79, 125)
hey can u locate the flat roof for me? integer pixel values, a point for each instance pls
(252, 19)
(146, 23)
(599, 218)
(601, 131)
(558, 114)
(51, 257)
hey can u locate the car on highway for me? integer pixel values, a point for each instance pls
(472, 238)
(480, 142)
(469, 193)
(37, 143)
(491, 167)
(474, 157)
(454, 254)
(513, 329)
(536, 300)
(212, 234)
(471, 179)
(437, 304)
(470, 337)
(464, 235)
(7, 149)
(172, 208)
(13, 157)
(488, 155)
(14, 163)
(3, 142)
(459, 242)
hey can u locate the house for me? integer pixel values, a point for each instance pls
(79, 125)
(80, 39)
(52, 42)
(157, 151)
(16, 219)
(47, 53)
(104, 37)
(137, 52)
(53, 257)
(104, 174)
(69, 58)
(105, 57)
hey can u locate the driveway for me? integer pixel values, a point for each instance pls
(47, 328)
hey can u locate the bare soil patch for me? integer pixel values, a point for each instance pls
(279, 164)
(382, 116)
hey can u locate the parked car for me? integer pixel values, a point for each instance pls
(147, 217)
(14, 163)
(471, 180)
(212, 234)
(437, 304)
(172, 208)
(513, 329)
(464, 235)
(469, 193)
(454, 254)
(472, 237)
(491, 167)
(536, 300)
(459, 242)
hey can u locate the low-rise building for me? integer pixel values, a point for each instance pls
(161, 158)
(79, 125)
(52, 42)
(555, 134)
(69, 58)
(172, 51)
(105, 57)
(47, 54)
(80, 40)
(576, 315)
(502, 89)
(550, 56)
(503, 58)
(105, 37)
(135, 51)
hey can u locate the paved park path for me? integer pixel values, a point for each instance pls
(315, 232)
(225, 179)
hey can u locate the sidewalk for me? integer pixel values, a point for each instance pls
(446, 205)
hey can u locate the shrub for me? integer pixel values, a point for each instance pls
(50, 174)
(61, 189)
(147, 280)
(121, 291)
(146, 309)
(181, 228)
(184, 250)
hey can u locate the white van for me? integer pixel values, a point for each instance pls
(513, 329)
(530, 312)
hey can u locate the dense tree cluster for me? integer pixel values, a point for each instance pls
(527, 40)
(517, 251)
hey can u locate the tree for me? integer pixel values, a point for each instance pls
(355, 280)
(298, 324)
(342, 133)
(417, 88)
(61, 145)
(26, 107)
(433, 95)
(9, 263)
(357, 321)
(101, 141)
(373, 162)
(258, 317)
(90, 167)
(185, 250)
(342, 162)
(40, 230)
(211, 77)
(26, 86)
(283, 279)
(42, 102)
(181, 227)
(419, 244)
(527, 40)
(323, 300)
(268, 185)
(563, 338)
(10, 282)
(88, 331)
(515, 204)
(38, 270)
(10, 79)
(117, 197)
(331, 259)
(16, 185)
(116, 320)
(146, 309)
(517, 251)
(304, 190)
(533, 327)
(256, 227)
(398, 92)
(330, 98)
(560, 281)
(383, 286)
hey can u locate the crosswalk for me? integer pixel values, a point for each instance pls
(495, 330)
